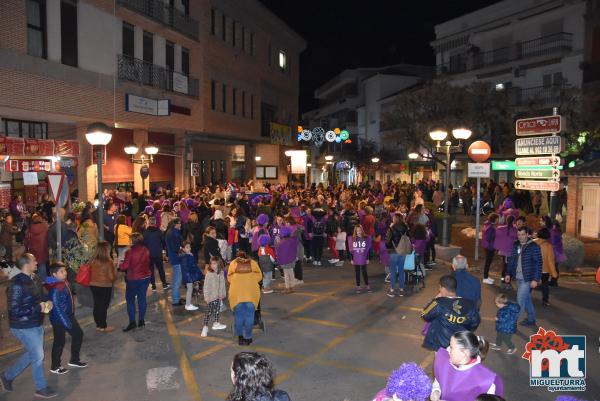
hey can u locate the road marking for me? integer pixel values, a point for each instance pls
(209, 338)
(184, 362)
(189, 319)
(320, 322)
(212, 350)
(160, 379)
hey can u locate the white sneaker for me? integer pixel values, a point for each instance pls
(298, 282)
(339, 264)
(319, 263)
(218, 326)
(315, 263)
(488, 280)
(333, 261)
(268, 291)
(204, 331)
(191, 307)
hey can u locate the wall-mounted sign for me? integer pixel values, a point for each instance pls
(538, 125)
(29, 165)
(180, 83)
(66, 148)
(39, 147)
(195, 169)
(144, 171)
(144, 105)
(503, 165)
(481, 170)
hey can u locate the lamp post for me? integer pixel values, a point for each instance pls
(98, 135)
(150, 149)
(448, 149)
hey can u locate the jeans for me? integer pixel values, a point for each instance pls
(396, 270)
(176, 277)
(267, 277)
(121, 252)
(102, 296)
(189, 291)
(524, 299)
(33, 342)
(136, 289)
(157, 261)
(244, 319)
(307, 248)
(42, 271)
(59, 342)
(317, 248)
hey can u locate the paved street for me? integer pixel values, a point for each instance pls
(326, 342)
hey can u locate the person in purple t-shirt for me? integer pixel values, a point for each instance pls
(359, 245)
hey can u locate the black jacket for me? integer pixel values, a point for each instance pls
(193, 230)
(24, 295)
(154, 241)
(446, 317)
(393, 235)
(211, 248)
(349, 221)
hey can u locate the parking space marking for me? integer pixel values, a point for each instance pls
(212, 350)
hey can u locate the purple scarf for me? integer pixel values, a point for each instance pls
(287, 250)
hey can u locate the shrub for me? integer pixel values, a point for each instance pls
(574, 251)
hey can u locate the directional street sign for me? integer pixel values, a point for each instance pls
(538, 126)
(539, 145)
(545, 174)
(538, 161)
(537, 185)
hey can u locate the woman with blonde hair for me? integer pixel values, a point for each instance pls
(101, 284)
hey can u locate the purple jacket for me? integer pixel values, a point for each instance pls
(505, 238)
(420, 245)
(359, 249)
(463, 385)
(287, 250)
(384, 255)
(489, 235)
(557, 244)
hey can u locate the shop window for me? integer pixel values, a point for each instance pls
(68, 32)
(266, 172)
(36, 28)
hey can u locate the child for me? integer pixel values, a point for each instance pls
(266, 262)
(419, 240)
(409, 382)
(214, 292)
(359, 245)
(190, 273)
(287, 253)
(62, 317)
(506, 323)
(340, 245)
(487, 241)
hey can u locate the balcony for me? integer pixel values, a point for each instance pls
(165, 15)
(544, 46)
(145, 73)
(539, 95)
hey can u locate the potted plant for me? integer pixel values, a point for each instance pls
(75, 254)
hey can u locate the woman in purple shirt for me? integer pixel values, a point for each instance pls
(359, 245)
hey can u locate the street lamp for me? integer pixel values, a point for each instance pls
(98, 135)
(448, 149)
(413, 155)
(329, 157)
(151, 150)
(375, 160)
(257, 158)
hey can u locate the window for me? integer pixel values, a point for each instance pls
(243, 103)
(224, 98)
(185, 61)
(233, 28)
(128, 40)
(268, 172)
(25, 129)
(148, 49)
(270, 56)
(36, 28)
(234, 98)
(170, 55)
(252, 107)
(243, 38)
(224, 27)
(282, 60)
(213, 21)
(68, 32)
(267, 114)
(549, 80)
(186, 6)
(213, 95)
(222, 171)
(252, 43)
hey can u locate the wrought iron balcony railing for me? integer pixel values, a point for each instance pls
(542, 95)
(164, 14)
(543, 46)
(145, 73)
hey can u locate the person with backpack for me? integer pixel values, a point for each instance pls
(398, 246)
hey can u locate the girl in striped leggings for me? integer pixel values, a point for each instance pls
(214, 293)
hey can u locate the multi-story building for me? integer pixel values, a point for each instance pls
(208, 81)
(356, 100)
(530, 49)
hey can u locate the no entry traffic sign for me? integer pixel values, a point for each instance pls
(537, 185)
(538, 125)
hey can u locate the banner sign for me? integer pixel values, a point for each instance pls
(281, 134)
(39, 147)
(12, 146)
(180, 83)
(66, 148)
(31, 165)
(144, 105)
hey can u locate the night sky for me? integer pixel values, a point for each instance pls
(343, 34)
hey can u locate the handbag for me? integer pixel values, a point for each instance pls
(84, 275)
(409, 261)
(404, 247)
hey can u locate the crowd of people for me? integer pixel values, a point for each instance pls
(230, 243)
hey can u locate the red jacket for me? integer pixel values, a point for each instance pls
(36, 241)
(137, 263)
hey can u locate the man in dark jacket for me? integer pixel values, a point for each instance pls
(447, 314)
(467, 285)
(173, 243)
(154, 241)
(26, 306)
(525, 265)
